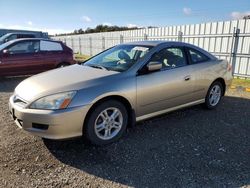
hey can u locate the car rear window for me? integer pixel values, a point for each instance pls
(50, 46)
(197, 57)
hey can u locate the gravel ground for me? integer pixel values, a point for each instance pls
(192, 147)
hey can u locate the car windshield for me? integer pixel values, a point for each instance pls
(2, 38)
(119, 58)
(4, 45)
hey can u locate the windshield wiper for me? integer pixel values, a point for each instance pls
(98, 67)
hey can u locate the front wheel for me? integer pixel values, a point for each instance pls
(214, 95)
(106, 123)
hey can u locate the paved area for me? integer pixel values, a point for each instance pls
(192, 147)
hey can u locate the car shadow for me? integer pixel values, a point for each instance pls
(192, 147)
(8, 84)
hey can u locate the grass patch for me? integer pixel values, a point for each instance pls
(80, 57)
(241, 82)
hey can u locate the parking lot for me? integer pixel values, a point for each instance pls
(192, 147)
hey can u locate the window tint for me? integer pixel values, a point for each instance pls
(25, 36)
(170, 57)
(24, 47)
(197, 57)
(50, 46)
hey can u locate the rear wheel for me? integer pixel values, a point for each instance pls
(106, 123)
(214, 95)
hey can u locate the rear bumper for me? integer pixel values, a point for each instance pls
(58, 124)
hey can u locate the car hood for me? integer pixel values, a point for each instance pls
(69, 78)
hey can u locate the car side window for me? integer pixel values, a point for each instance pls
(171, 57)
(50, 46)
(196, 56)
(25, 36)
(11, 37)
(24, 47)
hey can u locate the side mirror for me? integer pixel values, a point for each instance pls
(154, 66)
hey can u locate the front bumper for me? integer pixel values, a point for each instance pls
(58, 124)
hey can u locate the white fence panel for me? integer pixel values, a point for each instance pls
(226, 39)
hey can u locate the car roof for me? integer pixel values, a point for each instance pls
(176, 43)
(148, 42)
(159, 42)
(25, 33)
(34, 39)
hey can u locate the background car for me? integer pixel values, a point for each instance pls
(12, 36)
(31, 56)
(124, 84)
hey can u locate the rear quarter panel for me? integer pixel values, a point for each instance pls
(206, 73)
(67, 55)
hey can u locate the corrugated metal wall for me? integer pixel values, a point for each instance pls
(227, 40)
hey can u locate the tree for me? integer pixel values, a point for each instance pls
(246, 17)
(98, 29)
(80, 31)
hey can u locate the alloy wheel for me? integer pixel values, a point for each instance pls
(215, 95)
(108, 123)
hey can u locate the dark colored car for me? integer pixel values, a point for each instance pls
(32, 56)
(12, 36)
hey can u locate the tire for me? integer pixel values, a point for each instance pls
(101, 128)
(62, 65)
(214, 95)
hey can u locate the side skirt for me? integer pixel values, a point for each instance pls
(147, 116)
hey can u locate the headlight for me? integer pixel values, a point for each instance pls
(54, 102)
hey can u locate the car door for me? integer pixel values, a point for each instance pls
(171, 86)
(203, 71)
(52, 53)
(20, 58)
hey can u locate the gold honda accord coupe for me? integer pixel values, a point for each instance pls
(101, 97)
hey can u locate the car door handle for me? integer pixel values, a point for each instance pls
(187, 78)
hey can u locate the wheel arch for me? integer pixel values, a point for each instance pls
(123, 100)
(222, 81)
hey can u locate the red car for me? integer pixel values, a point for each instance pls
(32, 56)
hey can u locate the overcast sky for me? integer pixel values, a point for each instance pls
(61, 16)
